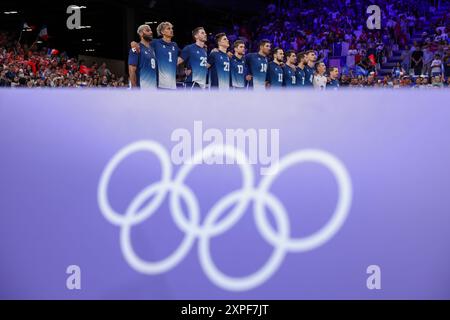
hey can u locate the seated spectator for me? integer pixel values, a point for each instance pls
(398, 71)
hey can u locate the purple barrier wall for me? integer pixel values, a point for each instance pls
(335, 195)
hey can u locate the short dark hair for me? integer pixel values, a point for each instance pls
(263, 42)
(219, 36)
(308, 52)
(289, 53)
(331, 69)
(275, 51)
(316, 66)
(238, 43)
(196, 30)
(300, 56)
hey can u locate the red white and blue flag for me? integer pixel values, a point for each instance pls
(43, 33)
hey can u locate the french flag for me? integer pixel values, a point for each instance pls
(52, 52)
(43, 33)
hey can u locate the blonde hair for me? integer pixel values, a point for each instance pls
(161, 27)
(141, 28)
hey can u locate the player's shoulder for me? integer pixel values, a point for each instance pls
(156, 42)
(213, 56)
(274, 65)
(188, 47)
(235, 59)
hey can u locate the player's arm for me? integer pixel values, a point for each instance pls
(180, 59)
(134, 45)
(208, 65)
(210, 61)
(286, 76)
(133, 60)
(132, 73)
(248, 75)
(184, 56)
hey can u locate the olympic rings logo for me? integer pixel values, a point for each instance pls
(194, 229)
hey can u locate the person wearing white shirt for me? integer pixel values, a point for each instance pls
(319, 79)
(436, 66)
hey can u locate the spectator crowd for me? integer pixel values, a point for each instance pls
(416, 30)
(28, 66)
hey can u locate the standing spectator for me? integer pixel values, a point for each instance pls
(406, 59)
(446, 62)
(417, 61)
(104, 71)
(427, 59)
(436, 66)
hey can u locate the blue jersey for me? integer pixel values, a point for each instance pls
(275, 75)
(195, 59)
(309, 75)
(238, 72)
(333, 84)
(145, 62)
(219, 72)
(290, 77)
(301, 76)
(257, 67)
(167, 57)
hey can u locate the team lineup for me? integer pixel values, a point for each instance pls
(153, 64)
